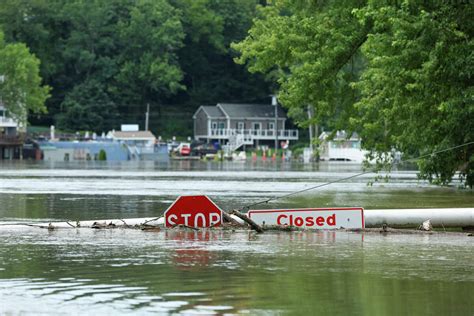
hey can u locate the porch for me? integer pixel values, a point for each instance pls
(252, 134)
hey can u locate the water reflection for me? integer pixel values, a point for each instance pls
(191, 253)
(119, 271)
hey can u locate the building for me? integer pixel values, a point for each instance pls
(82, 151)
(11, 142)
(341, 147)
(140, 144)
(238, 125)
(127, 144)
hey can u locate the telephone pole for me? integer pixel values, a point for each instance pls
(275, 103)
(147, 115)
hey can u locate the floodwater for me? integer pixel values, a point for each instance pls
(123, 271)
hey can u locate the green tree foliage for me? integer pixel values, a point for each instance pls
(102, 155)
(88, 104)
(20, 85)
(417, 90)
(312, 50)
(167, 53)
(206, 58)
(399, 74)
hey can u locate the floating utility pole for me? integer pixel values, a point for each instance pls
(147, 115)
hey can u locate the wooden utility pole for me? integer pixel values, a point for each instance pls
(147, 116)
(310, 126)
(275, 104)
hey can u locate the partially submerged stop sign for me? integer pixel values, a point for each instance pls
(194, 211)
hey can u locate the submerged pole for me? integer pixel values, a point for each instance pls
(396, 218)
(439, 217)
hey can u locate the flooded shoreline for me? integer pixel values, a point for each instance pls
(123, 271)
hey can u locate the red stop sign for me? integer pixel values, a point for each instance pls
(193, 211)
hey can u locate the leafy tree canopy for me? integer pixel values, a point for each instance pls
(20, 84)
(168, 53)
(401, 74)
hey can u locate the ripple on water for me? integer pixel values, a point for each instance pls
(68, 296)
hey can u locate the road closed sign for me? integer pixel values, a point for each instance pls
(193, 211)
(311, 218)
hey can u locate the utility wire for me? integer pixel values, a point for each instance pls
(310, 188)
(246, 207)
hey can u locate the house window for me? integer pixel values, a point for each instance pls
(214, 125)
(271, 126)
(240, 125)
(257, 126)
(221, 125)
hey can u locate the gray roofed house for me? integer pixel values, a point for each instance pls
(250, 110)
(212, 111)
(238, 124)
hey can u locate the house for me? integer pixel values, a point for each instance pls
(341, 147)
(242, 124)
(142, 145)
(137, 138)
(11, 142)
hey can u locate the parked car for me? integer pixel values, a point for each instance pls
(203, 149)
(184, 149)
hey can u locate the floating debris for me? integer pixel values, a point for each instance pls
(426, 226)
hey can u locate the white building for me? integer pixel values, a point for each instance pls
(139, 143)
(341, 147)
(10, 141)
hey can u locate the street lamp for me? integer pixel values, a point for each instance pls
(275, 103)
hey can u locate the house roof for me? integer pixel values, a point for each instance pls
(238, 110)
(213, 111)
(133, 135)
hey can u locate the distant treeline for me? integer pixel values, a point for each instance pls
(105, 60)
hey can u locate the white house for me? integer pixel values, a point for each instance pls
(341, 147)
(139, 143)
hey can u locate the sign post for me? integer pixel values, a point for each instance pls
(194, 211)
(311, 218)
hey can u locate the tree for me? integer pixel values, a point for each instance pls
(206, 58)
(312, 49)
(20, 87)
(126, 49)
(411, 88)
(88, 105)
(417, 90)
(172, 54)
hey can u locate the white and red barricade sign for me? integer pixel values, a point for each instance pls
(193, 211)
(311, 218)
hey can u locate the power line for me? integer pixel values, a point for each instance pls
(353, 176)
